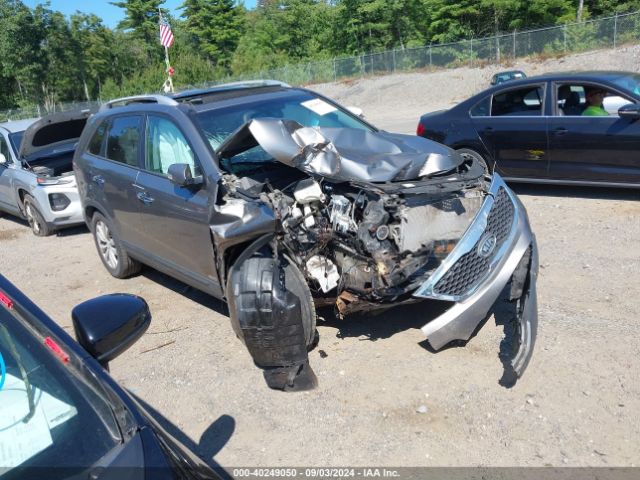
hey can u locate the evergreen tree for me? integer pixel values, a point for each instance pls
(215, 27)
(141, 17)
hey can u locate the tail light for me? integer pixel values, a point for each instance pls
(420, 131)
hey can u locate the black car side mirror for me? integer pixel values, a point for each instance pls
(108, 325)
(631, 110)
(180, 174)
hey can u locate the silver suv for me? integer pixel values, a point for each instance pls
(36, 173)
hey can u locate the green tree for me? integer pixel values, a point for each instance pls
(215, 27)
(21, 55)
(141, 17)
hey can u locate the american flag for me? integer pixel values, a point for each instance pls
(166, 35)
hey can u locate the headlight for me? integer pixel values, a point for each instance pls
(55, 180)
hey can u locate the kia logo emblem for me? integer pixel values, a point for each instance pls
(487, 244)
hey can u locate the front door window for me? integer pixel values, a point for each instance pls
(166, 145)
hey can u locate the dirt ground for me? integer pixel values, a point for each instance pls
(384, 398)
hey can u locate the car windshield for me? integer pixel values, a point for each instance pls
(51, 415)
(303, 107)
(630, 82)
(16, 140)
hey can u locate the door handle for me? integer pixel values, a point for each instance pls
(561, 131)
(488, 130)
(98, 179)
(145, 198)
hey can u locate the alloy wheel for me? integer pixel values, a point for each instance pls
(106, 245)
(31, 218)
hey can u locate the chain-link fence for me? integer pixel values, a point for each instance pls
(35, 111)
(570, 38)
(573, 37)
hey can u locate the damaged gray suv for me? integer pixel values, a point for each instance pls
(279, 200)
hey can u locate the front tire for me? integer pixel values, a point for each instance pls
(469, 153)
(113, 255)
(38, 225)
(273, 313)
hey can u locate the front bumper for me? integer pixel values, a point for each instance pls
(71, 215)
(472, 306)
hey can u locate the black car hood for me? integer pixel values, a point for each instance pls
(51, 131)
(343, 154)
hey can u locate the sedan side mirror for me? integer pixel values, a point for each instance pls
(108, 325)
(180, 174)
(631, 110)
(3, 159)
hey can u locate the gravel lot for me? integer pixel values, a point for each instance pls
(577, 405)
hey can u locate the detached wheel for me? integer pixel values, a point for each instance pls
(36, 221)
(114, 257)
(467, 153)
(273, 313)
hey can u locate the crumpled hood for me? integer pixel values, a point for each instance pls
(343, 154)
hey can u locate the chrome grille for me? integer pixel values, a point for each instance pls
(470, 268)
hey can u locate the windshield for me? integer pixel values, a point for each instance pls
(16, 140)
(303, 107)
(628, 82)
(49, 415)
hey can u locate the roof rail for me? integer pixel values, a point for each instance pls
(159, 99)
(254, 83)
(229, 86)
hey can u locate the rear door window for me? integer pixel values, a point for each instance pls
(525, 101)
(123, 140)
(97, 141)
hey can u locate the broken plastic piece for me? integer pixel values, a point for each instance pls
(324, 271)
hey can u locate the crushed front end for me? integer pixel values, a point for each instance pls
(372, 221)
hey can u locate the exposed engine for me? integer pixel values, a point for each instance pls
(377, 246)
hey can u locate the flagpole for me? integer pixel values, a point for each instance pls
(166, 58)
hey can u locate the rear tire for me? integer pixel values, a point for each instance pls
(469, 153)
(113, 255)
(36, 221)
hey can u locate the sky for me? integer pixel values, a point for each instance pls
(110, 15)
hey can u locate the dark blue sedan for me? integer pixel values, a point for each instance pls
(540, 130)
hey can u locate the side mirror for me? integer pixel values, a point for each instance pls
(108, 325)
(631, 110)
(180, 174)
(3, 159)
(357, 111)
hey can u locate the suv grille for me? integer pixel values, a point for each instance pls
(469, 270)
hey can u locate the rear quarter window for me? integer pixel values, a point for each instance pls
(482, 108)
(97, 140)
